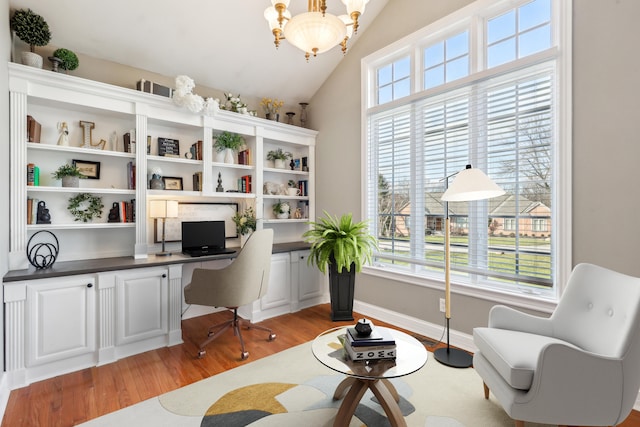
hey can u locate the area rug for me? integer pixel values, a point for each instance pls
(292, 388)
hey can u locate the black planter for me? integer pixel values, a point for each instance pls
(341, 288)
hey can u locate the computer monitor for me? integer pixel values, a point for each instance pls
(203, 236)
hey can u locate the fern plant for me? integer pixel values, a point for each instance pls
(340, 241)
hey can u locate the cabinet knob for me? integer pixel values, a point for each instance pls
(301, 256)
(164, 275)
(89, 285)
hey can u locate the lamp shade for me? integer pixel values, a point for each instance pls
(163, 209)
(471, 184)
(312, 32)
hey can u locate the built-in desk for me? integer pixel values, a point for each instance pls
(91, 266)
(79, 314)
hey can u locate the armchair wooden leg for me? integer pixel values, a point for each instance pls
(519, 423)
(486, 393)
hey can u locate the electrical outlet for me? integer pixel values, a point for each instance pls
(442, 305)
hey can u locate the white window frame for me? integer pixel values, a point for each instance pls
(477, 13)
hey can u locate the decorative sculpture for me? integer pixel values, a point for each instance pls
(42, 255)
(42, 214)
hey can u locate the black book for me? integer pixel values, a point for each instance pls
(377, 337)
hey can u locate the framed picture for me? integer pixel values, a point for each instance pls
(297, 165)
(197, 212)
(88, 169)
(172, 182)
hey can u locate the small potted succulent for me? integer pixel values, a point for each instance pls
(279, 158)
(69, 174)
(65, 59)
(227, 144)
(32, 29)
(281, 209)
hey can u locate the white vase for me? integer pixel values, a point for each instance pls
(32, 59)
(279, 164)
(243, 238)
(229, 156)
(284, 215)
(220, 156)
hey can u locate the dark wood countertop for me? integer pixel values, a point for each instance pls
(91, 266)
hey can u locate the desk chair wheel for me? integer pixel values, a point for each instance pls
(272, 337)
(244, 355)
(201, 354)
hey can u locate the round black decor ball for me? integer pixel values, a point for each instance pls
(364, 327)
(44, 254)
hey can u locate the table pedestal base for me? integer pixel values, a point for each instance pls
(352, 389)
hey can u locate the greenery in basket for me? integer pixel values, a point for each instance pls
(69, 59)
(67, 170)
(281, 207)
(229, 140)
(245, 221)
(292, 184)
(31, 28)
(339, 240)
(279, 154)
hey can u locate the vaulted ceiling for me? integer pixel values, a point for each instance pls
(224, 44)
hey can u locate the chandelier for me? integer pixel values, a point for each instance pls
(315, 31)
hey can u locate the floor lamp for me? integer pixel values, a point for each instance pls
(469, 184)
(163, 209)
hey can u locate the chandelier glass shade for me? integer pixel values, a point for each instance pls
(315, 31)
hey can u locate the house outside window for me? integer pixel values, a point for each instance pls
(486, 95)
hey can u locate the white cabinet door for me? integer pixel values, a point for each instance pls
(142, 308)
(309, 278)
(60, 319)
(279, 292)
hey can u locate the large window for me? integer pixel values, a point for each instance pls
(493, 104)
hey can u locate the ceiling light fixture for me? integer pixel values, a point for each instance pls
(315, 31)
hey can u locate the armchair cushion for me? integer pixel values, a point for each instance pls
(513, 354)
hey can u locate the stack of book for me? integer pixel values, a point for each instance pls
(379, 345)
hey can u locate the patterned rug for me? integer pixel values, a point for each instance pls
(292, 388)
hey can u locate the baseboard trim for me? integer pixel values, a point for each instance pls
(457, 338)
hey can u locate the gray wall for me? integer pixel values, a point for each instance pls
(606, 104)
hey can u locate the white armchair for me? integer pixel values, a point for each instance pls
(581, 366)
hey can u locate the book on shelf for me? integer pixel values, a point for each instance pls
(29, 210)
(131, 176)
(197, 181)
(244, 157)
(244, 184)
(34, 129)
(33, 213)
(31, 177)
(196, 150)
(367, 353)
(129, 141)
(302, 185)
(378, 337)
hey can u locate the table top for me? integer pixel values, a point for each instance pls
(411, 355)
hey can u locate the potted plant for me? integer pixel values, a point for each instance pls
(228, 143)
(281, 209)
(69, 174)
(279, 157)
(65, 59)
(343, 246)
(292, 188)
(32, 29)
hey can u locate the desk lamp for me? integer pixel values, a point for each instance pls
(163, 209)
(469, 184)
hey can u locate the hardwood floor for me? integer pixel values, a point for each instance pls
(80, 396)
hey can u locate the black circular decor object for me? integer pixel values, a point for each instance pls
(44, 254)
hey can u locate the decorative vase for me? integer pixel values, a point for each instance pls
(284, 215)
(303, 114)
(55, 64)
(341, 292)
(229, 156)
(156, 183)
(279, 164)
(220, 156)
(32, 59)
(70, 181)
